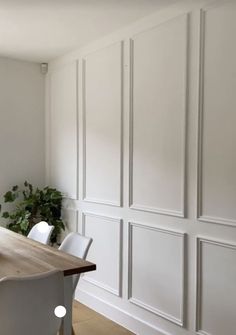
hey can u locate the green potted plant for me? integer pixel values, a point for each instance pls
(33, 205)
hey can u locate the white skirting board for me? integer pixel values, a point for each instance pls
(122, 317)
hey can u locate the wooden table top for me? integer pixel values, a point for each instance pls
(21, 256)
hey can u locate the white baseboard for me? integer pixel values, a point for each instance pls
(120, 316)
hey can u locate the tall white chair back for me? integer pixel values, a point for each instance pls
(27, 304)
(77, 245)
(41, 232)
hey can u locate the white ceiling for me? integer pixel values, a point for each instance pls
(40, 30)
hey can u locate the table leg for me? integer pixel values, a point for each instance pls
(66, 327)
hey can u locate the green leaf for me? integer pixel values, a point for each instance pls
(5, 215)
(14, 227)
(9, 197)
(24, 225)
(35, 204)
(30, 188)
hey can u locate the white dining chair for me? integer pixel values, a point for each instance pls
(77, 245)
(41, 232)
(27, 304)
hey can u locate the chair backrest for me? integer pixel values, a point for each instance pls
(41, 232)
(77, 245)
(27, 304)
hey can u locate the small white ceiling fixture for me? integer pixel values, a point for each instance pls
(41, 30)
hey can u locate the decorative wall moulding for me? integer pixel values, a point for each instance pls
(102, 202)
(117, 291)
(200, 241)
(63, 118)
(180, 321)
(115, 310)
(184, 54)
(202, 111)
(161, 211)
(85, 196)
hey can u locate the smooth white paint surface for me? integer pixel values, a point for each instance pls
(102, 118)
(158, 104)
(217, 295)
(42, 30)
(106, 235)
(22, 136)
(164, 293)
(219, 116)
(63, 121)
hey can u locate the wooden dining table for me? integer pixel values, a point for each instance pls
(21, 256)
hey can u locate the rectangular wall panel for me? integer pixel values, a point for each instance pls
(63, 130)
(102, 114)
(158, 112)
(216, 290)
(156, 271)
(105, 251)
(217, 135)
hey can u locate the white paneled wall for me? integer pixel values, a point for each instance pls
(158, 156)
(167, 300)
(102, 125)
(218, 116)
(216, 278)
(63, 130)
(106, 252)
(141, 139)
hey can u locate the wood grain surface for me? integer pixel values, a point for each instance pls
(21, 256)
